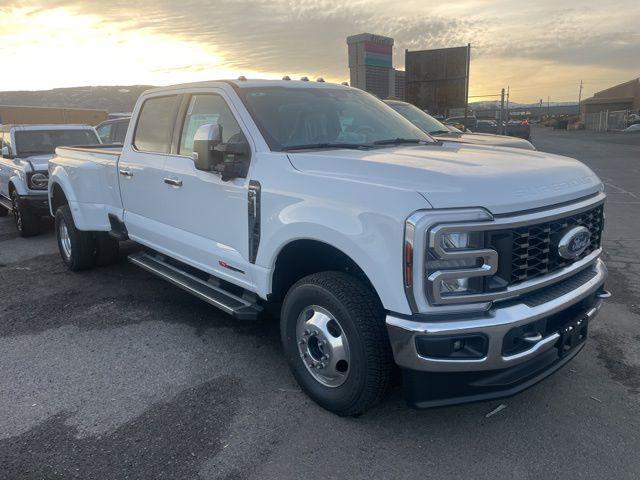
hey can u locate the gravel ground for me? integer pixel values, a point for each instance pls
(114, 374)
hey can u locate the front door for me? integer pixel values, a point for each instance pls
(209, 216)
(141, 171)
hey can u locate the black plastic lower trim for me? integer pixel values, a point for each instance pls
(38, 204)
(439, 389)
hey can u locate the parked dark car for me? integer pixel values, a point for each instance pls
(113, 131)
(448, 133)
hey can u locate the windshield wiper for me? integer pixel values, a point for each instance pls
(440, 132)
(310, 146)
(398, 141)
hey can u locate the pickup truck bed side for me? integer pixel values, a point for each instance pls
(97, 195)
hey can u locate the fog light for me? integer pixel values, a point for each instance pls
(448, 346)
(460, 286)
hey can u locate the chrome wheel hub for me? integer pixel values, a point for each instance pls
(323, 346)
(65, 240)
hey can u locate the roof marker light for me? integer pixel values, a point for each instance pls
(286, 77)
(320, 79)
(304, 79)
(242, 78)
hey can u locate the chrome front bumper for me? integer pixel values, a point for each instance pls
(494, 324)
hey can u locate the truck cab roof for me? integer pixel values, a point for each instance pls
(49, 126)
(250, 83)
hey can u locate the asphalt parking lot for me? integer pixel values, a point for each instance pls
(113, 374)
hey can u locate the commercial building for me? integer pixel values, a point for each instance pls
(625, 96)
(371, 65)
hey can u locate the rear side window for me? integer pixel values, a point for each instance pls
(155, 124)
(121, 132)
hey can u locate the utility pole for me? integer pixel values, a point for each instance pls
(580, 100)
(501, 129)
(549, 106)
(508, 111)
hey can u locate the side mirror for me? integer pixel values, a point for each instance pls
(6, 153)
(205, 141)
(235, 160)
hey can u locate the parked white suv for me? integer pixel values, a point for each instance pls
(476, 269)
(24, 173)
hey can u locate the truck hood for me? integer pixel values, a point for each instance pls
(486, 139)
(39, 162)
(502, 180)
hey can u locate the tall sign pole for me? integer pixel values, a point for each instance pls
(466, 88)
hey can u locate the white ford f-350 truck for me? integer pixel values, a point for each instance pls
(474, 269)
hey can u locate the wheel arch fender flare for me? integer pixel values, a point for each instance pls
(376, 268)
(59, 178)
(17, 183)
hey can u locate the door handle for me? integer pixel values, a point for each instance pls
(174, 182)
(126, 173)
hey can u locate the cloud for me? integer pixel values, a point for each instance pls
(309, 36)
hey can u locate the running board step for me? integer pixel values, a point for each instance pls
(227, 302)
(6, 204)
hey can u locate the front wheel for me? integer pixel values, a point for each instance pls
(335, 341)
(77, 248)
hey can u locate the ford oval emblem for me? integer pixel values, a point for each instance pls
(573, 242)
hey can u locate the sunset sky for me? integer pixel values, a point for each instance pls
(539, 48)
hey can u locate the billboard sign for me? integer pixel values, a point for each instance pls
(438, 80)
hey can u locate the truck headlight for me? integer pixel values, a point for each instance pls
(457, 263)
(38, 180)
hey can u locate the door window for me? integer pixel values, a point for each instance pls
(155, 124)
(204, 109)
(104, 132)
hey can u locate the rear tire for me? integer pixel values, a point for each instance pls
(107, 249)
(77, 248)
(353, 344)
(27, 223)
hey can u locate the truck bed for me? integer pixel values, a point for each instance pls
(98, 193)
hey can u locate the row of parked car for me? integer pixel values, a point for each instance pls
(474, 268)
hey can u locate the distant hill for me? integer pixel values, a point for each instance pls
(116, 99)
(121, 99)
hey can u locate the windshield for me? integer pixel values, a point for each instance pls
(291, 118)
(46, 141)
(420, 119)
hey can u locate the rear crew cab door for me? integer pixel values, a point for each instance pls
(141, 170)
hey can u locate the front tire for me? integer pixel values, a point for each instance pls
(335, 341)
(77, 248)
(27, 223)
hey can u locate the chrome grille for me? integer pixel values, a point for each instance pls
(534, 248)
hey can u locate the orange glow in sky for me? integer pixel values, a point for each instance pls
(539, 49)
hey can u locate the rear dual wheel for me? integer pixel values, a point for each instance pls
(81, 250)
